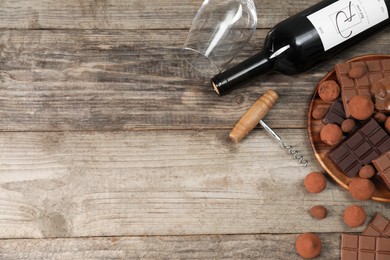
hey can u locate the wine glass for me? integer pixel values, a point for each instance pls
(218, 32)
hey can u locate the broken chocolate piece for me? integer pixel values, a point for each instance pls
(336, 113)
(378, 226)
(381, 91)
(382, 164)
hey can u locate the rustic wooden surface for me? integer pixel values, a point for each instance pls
(111, 147)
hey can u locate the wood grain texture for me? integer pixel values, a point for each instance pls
(125, 14)
(125, 80)
(159, 183)
(264, 247)
(111, 147)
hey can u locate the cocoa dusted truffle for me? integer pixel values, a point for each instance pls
(354, 216)
(367, 171)
(308, 245)
(329, 90)
(319, 112)
(361, 107)
(315, 182)
(331, 134)
(387, 124)
(318, 212)
(380, 117)
(347, 125)
(361, 189)
(357, 71)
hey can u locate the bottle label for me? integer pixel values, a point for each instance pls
(344, 19)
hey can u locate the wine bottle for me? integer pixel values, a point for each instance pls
(308, 38)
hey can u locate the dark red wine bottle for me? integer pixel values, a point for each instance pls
(308, 38)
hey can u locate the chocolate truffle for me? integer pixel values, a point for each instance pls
(387, 124)
(331, 134)
(318, 212)
(354, 216)
(329, 90)
(361, 189)
(308, 245)
(361, 107)
(357, 71)
(347, 125)
(315, 182)
(380, 117)
(367, 171)
(319, 112)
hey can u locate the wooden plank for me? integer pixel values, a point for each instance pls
(263, 247)
(125, 80)
(159, 183)
(125, 14)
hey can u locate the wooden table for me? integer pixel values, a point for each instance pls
(111, 147)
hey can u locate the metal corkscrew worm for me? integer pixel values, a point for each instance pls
(280, 140)
(254, 116)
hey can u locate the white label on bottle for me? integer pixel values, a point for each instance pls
(344, 19)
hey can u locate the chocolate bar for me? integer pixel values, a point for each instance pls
(336, 113)
(350, 87)
(378, 226)
(357, 247)
(382, 164)
(368, 143)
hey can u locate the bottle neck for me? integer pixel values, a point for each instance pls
(242, 73)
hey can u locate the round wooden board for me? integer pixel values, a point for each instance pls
(321, 149)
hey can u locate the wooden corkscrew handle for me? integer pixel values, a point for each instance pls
(254, 114)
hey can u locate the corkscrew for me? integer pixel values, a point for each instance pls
(289, 148)
(254, 116)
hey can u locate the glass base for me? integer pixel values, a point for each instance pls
(200, 62)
